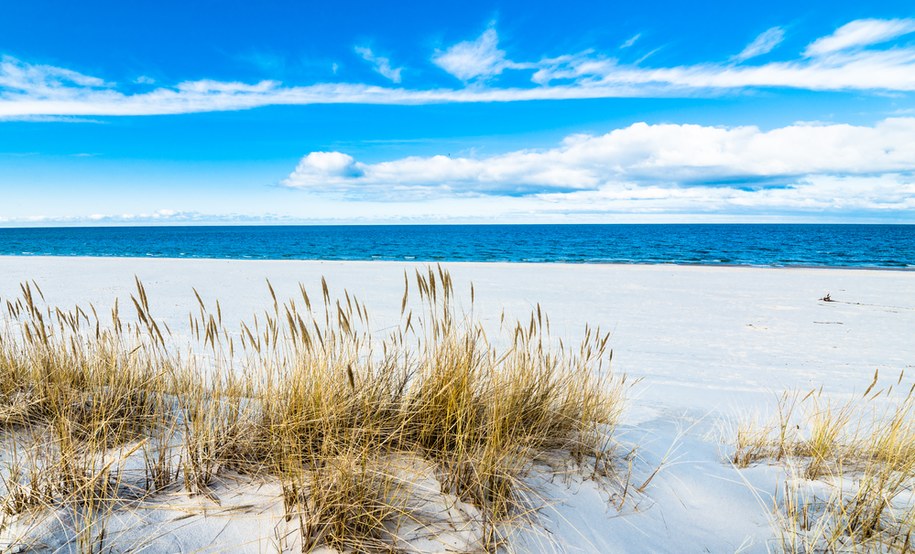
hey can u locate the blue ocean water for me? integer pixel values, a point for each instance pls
(890, 246)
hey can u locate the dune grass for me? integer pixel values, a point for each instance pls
(851, 469)
(304, 394)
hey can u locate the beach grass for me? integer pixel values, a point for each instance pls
(101, 413)
(850, 468)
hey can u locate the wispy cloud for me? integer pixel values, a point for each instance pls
(473, 59)
(854, 58)
(18, 76)
(656, 167)
(163, 216)
(860, 33)
(631, 40)
(763, 44)
(381, 64)
(49, 119)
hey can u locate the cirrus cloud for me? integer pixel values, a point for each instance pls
(859, 33)
(762, 44)
(381, 64)
(856, 57)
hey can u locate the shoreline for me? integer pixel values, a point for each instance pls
(472, 262)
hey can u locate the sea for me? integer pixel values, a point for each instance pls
(813, 245)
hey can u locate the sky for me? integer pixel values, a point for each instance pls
(231, 112)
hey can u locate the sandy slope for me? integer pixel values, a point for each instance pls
(708, 343)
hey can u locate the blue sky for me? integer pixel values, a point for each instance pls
(346, 112)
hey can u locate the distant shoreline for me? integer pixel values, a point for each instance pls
(469, 262)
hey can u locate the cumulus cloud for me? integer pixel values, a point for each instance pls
(662, 166)
(762, 44)
(859, 33)
(854, 58)
(325, 169)
(381, 64)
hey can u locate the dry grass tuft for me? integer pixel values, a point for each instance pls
(305, 395)
(851, 469)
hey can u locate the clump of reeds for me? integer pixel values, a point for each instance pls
(304, 394)
(861, 450)
(75, 394)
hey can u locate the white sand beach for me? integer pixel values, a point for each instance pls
(708, 345)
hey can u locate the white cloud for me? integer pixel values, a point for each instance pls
(163, 216)
(892, 70)
(654, 168)
(48, 119)
(631, 40)
(763, 44)
(329, 169)
(859, 33)
(43, 81)
(382, 65)
(819, 194)
(472, 59)
(40, 90)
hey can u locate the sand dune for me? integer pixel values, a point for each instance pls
(709, 344)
